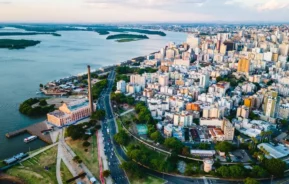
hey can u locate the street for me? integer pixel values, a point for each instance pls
(108, 131)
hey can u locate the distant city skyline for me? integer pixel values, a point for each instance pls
(99, 11)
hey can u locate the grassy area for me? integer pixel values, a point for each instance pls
(148, 180)
(89, 157)
(33, 171)
(65, 173)
(119, 124)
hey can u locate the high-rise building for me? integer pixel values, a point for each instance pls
(183, 119)
(164, 80)
(170, 54)
(121, 86)
(223, 49)
(193, 41)
(244, 65)
(138, 79)
(284, 49)
(271, 103)
(243, 112)
(229, 130)
(204, 80)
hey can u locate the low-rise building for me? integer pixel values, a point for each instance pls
(70, 113)
(278, 151)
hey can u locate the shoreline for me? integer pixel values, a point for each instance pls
(99, 71)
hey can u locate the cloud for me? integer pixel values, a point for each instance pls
(5, 2)
(145, 3)
(272, 5)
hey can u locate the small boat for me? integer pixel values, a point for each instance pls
(29, 139)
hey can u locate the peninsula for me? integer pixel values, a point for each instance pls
(17, 44)
(126, 37)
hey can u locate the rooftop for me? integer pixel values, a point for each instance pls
(77, 104)
(278, 151)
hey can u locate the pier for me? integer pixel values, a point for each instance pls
(35, 129)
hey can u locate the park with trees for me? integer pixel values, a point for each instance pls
(38, 110)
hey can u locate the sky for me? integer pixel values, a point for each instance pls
(136, 11)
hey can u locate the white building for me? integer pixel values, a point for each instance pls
(204, 81)
(183, 119)
(278, 151)
(121, 86)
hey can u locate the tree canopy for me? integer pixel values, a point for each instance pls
(275, 166)
(98, 115)
(106, 173)
(233, 171)
(121, 138)
(224, 146)
(27, 109)
(174, 144)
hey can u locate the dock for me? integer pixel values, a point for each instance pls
(35, 129)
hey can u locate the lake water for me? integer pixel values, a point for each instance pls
(21, 72)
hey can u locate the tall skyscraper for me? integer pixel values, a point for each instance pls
(244, 65)
(204, 80)
(271, 103)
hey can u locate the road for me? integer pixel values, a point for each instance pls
(108, 131)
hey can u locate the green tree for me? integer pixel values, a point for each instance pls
(157, 137)
(86, 144)
(106, 173)
(259, 172)
(224, 146)
(174, 144)
(41, 85)
(237, 171)
(121, 138)
(133, 169)
(251, 181)
(98, 115)
(42, 102)
(275, 167)
(75, 132)
(186, 151)
(224, 171)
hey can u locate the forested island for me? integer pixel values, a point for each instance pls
(126, 37)
(100, 29)
(17, 44)
(27, 33)
(106, 31)
(39, 110)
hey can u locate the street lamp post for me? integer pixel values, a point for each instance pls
(272, 176)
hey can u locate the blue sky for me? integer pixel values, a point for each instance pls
(86, 11)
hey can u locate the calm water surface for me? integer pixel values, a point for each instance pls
(21, 72)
